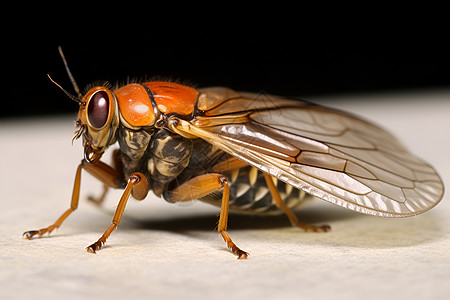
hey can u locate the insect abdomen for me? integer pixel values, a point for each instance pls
(249, 193)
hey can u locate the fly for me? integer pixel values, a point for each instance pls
(244, 152)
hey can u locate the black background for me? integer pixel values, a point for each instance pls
(290, 59)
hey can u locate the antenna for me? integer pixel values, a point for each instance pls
(73, 97)
(74, 83)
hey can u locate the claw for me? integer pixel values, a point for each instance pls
(242, 254)
(90, 249)
(323, 228)
(311, 228)
(95, 246)
(232, 246)
(29, 234)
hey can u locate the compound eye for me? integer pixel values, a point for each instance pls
(98, 109)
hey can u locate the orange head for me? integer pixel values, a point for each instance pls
(97, 121)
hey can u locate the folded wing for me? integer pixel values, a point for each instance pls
(330, 154)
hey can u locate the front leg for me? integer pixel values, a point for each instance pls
(117, 165)
(201, 186)
(101, 171)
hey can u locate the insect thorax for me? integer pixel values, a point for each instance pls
(160, 155)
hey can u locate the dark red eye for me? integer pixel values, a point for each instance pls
(98, 109)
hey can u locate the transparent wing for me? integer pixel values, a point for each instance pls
(330, 154)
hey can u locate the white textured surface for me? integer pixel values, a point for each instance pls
(164, 251)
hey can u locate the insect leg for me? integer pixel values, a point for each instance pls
(137, 184)
(292, 217)
(102, 171)
(99, 200)
(73, 206)
(223, 220)
(117, 165)
(201, 186)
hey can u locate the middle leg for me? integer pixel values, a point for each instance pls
(201, 186)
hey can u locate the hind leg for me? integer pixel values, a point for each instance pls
(292, 217)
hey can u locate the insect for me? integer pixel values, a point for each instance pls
(245, 152)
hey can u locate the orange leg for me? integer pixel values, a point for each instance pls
(116, 165)
(99, 200)
(201, 186)
(102, 171)
(292, 217)
(136, 182)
